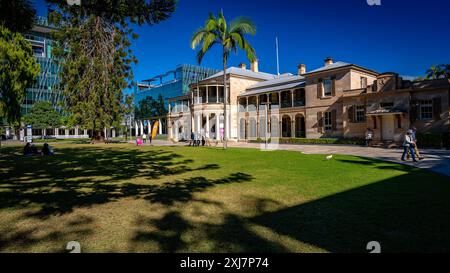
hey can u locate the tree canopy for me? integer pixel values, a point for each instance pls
(42, 115)
(18, 70)
(150, 107)
(93, 47)
(438, 71)
(17, 15)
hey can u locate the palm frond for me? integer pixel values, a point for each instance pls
(202, 52)
(222, 23)
(211, 23)
(197, 37)
(243, 25)
(250, 51)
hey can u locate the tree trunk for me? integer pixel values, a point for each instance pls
(225, 102)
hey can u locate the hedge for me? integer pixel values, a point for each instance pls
(433, 140)
(348, 141)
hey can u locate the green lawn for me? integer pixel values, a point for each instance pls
(120, 198)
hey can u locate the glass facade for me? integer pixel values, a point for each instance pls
(45, 88)
(172, 84)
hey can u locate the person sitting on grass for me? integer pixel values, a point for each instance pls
(34, 150)
(47, 150)
(27, 150)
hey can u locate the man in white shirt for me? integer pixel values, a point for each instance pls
(408, 145)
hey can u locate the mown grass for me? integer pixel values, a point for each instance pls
(120, 198)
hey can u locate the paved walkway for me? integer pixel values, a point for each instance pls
(435, 160)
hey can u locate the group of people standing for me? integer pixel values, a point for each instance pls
(140, 141)
(199, 139)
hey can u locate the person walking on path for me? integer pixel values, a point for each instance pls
(144, 138)
(408, 146)
(416, 148)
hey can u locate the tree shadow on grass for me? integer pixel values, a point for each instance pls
(231, 235)
(86, 176)
(407, 213)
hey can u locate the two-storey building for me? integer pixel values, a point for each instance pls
(338, 100)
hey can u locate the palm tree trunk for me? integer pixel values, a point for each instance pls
(225, 101)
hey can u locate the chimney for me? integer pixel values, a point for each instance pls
(243, 66)
(254, 66)
(328, 61)
(301, 69)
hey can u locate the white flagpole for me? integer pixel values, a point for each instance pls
(278, 60)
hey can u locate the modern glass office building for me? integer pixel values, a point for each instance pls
(173, 83)
(45, 87)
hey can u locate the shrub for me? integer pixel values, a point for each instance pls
(348, 141)
(433, 140)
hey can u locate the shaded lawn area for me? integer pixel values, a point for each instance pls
(120, 198)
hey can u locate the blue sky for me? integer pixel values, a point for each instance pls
(404, 36)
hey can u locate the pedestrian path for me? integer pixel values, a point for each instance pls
(435, 160)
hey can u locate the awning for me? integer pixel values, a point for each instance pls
(384, 112)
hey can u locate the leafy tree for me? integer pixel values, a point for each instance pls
(17, 15)
(230, 38)
(93, 46)
(42, 116)
(18, 70)
(150, 107)
(438, 71)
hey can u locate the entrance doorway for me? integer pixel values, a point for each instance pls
(387, 127)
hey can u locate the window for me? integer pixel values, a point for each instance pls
(360, 115)
(327, 86)
(327, 121)
(363, 82)
(399, 121)
(425, 109)
(38, 50)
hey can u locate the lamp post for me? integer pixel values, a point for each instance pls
(266, 104)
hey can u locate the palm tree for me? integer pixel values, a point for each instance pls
(446, 70)
(231, 38)
(435, 72)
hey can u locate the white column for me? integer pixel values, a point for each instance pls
(136, 132)
(105, 132)
(199, 125)
(85, 132)
(142, 129)
(207, 125)
(207, 91)
(198, 94)
(217, 126)
(160, 127)
(113, 132)
(292, 98)
(56, 132)
(66, 133)
(149, 127)
(76, 132)
(217, 94)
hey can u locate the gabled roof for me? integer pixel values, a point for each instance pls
(280, 80)
(284, 82)
(244, 73)
(338, 65)
(329, 67)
